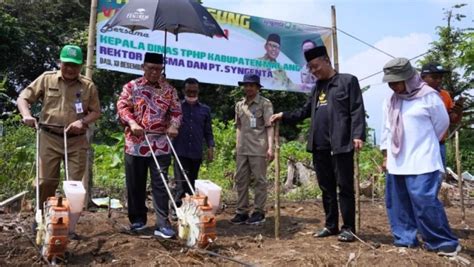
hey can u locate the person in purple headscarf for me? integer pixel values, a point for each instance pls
(415, 119)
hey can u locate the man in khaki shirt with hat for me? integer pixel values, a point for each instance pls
(254, 149)
(69, 102)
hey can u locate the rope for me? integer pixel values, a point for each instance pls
(360, 40)
(376, 48)
(382, 70)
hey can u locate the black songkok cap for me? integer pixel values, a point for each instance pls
(315, 52)
(274, 38)
(153, 58)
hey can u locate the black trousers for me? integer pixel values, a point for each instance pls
(136, 172)
(335, 171)
(191, 167)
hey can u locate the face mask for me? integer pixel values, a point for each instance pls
(191, 100)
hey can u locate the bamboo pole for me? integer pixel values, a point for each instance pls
(460, 179)
(357, 191)
(87, 177)
(277, 181)
(91, 39)
(334, 39)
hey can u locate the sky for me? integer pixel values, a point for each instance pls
(403, 28)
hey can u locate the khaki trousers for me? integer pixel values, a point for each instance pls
(51, 153)
(247, 166)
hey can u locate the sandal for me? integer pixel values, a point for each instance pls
(325, 233)
(346, 236)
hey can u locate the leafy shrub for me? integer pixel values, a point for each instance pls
(370, 161)
(221, 170)
(294, 151)
(109, 165)
(109, 169)
(17, 160)
(17, 157)
(303, 193)
(466, 147)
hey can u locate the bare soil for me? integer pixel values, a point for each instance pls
(104, 241)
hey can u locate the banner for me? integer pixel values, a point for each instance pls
(270, 48)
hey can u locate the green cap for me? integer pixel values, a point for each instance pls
(72, 54)
(398, 69)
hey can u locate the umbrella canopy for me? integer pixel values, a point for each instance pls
(173, 16)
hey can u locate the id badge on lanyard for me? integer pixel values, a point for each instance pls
(252, 119)
(78, 104)
(253, 122)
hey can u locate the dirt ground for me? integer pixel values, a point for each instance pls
(103, 242)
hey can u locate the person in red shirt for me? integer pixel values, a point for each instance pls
(148, 104)
(432, 73)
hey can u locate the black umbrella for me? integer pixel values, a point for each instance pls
(173, 16)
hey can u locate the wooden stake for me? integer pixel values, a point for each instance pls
(109, 207)
(357, 190)
(334, 39)
(373, 189)
(277, 181)
(87, 178)
(91, 39)
(460, 179)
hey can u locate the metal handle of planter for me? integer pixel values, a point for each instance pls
(180, 165)
(160, 171)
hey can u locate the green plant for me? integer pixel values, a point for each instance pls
(370, 161)
(303, 193)
(370, 169)
(294, 151)
(109, 159)
(17, 157)
(454, 50)
(109, 169)
(466, 143)
(221, 170)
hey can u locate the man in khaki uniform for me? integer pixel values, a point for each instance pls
(69, 103)
(254, 149)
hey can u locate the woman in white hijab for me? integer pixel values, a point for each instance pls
(415, 119)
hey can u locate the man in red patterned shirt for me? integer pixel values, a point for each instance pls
(148, 104)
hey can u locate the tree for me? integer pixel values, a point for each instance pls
(11, 36)
(455, 51)
(35, 31)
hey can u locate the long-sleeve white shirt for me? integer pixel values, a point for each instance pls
(425, 120)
